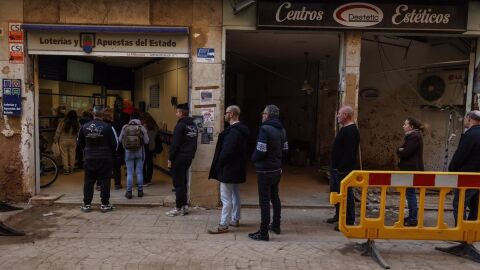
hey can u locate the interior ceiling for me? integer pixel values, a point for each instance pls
(121, 61)
(282, 45)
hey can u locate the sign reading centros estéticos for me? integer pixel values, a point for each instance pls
(12, 97)
(443, 16)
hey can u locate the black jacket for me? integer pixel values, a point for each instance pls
(184, 142)
(98, 140)
(230, 160)
(345, 149)
(467, 156)
(271, 144)
(411, 157)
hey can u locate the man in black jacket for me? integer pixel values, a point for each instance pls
(344, 160)
(267, 158)
(229, 167)
(182, 152)
(99, 142)
(467, 159)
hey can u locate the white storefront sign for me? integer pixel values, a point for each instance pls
(107, 44)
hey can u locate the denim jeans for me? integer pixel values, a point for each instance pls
(268, 192)
(336, 178)
(412, 204)
(471, 201)
(134, 162)
(230, 196)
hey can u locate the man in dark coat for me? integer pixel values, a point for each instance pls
(267, 158)
(229, 167)
(467, 159)
(344, 160)
(182, 151)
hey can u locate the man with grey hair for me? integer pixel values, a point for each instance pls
(229, 167)
(344, 160)
(267, 158)
(99, 142)
(467, 159)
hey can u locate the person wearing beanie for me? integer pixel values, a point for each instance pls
(182, 151)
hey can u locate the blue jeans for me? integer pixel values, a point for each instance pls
(134, 162)
(412, 204)
(230, 196)
(471, 201)
(336, 178)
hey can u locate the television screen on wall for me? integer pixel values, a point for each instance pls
(79, 71)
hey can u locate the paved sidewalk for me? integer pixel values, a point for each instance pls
(144, 238)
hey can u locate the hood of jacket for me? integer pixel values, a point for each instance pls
(242, 128)
(187, 120)
(135, 122)
(274, 122)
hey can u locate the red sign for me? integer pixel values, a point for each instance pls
(15, 32)
(16, 53)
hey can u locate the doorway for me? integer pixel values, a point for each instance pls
(298, 72)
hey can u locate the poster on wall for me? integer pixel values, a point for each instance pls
(208, 115)
(16, 53)
(205, 55)
(15, 32)
(206, 97)
(12, 97)
(207, 135)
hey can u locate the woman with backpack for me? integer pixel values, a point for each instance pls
(154, 147)
(65, 136)
(133, 137)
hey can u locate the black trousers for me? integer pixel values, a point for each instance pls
(179, 172)
(97, 170)
(117, 169)
(336, 178)
(268, 192)
(148, 166)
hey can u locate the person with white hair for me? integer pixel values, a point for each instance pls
(467, 159)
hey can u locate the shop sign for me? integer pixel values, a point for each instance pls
(16, 51)
(107, 44)
(12, 97)
(375, 15)
(205, 55)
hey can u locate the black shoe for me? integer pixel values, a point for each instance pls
(140, 193)
(332, 220)
(410, 223)
(336, 228)
(117, 187)
(7, 231)
(173, 190)
(99, 188)
(257, 236)
(128, 194)
(5, 207)
(275, 229)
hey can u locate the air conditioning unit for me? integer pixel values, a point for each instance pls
(442, 88)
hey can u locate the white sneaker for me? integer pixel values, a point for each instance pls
(184, 210)
(173, 213)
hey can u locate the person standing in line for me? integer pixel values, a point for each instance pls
(411, 159)
(344, 160)
(182, 152)
(134, 137)
(229, 166)
(66, 136)
(98, 140)
(151, 149)
(86, 117)
(271, 145)
(467, 159)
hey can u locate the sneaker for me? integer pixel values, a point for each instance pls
(117, 187)
(128, 194)
(173, 213)
(86, 208)
(257, 236)
(219, 229)
(275, 229)
(235, 224)
(332, 220)
(410, 223)
(147, 184)
(184, 210)
(106, 208)
(140, 193)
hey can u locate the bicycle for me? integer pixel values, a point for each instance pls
(48, 166)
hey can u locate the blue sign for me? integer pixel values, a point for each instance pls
(12, 97)
(205, 55)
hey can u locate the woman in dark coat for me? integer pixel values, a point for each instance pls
(411, 159)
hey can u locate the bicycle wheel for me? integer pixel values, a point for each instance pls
(48, 171)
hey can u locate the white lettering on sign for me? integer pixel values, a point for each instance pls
(423, 16)
(284, 13)
(358, 14)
